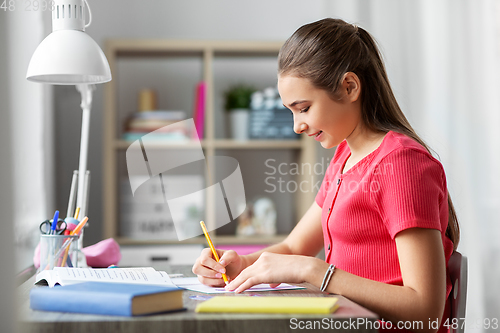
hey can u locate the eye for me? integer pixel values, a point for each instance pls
(305, 109)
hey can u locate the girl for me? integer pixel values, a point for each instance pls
(383, 213)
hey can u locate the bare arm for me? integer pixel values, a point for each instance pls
(305, 239)
(422, 264)
(423, 268)
(421, 298)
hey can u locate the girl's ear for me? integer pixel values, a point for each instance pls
(351, 87)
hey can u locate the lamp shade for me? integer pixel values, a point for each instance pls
(68, 57)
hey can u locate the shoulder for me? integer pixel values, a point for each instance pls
(404, 164)
(402, 153)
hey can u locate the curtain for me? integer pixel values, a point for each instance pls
(31, 152)
(443, 60)
(7, 288)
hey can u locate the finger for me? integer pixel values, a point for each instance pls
(210, 262)
(247, 284)
(274, 285)
(228, 257)
(240, 279)
(207, 253)
(205, 266)
(232, 285)
(211, 282)
(207, 272)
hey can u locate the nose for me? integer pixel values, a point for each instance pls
(299, 126)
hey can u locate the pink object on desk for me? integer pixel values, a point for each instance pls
(103, 254)
(100, 255)
(243, 249)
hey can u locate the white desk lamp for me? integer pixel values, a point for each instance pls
(68, 56)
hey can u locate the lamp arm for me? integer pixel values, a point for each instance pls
(86, 94)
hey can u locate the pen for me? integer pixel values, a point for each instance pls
(54, 223)
(205, 231)
(79, 226)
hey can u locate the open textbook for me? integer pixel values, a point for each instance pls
(140, 275)
(66, 275)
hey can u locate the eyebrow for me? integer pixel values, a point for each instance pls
(296, 103)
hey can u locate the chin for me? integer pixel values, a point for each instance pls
(328, 142)
(327, 145)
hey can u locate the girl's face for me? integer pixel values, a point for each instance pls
(316, 114)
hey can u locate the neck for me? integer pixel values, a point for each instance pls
(363, 141)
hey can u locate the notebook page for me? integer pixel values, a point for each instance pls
(192, 283)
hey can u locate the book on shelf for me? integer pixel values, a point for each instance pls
(158, 125)
(146, 125)
(199, 110)
(271, 304)
(172, 115)
(119, 299)
(272, 124)
(160, 137)
(71, 275)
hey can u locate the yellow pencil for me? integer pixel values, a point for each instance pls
(205, 231)
(63, 263)
(77, 212)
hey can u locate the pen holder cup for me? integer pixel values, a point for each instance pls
(58, 251)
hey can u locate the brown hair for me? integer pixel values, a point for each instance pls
(324, 51)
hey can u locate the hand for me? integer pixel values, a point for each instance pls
(271, 268)
(210, 271)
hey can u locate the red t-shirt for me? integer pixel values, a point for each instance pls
(396, 187)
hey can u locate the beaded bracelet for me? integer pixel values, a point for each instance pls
(328, 276)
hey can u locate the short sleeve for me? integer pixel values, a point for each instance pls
(409, 189)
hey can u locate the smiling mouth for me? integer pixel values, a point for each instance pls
(318, 134)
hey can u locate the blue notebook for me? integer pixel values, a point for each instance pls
(119, 299)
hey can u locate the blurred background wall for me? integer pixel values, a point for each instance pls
(442, 59)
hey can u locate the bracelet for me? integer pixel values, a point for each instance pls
(328, 276)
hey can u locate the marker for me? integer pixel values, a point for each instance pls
(80, 226)
(205, 231)
(54, 223)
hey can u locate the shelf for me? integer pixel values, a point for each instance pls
(142, 47)
(155, 63)
(122, 144)
(220, 144)
(257, 144)
(218, 240)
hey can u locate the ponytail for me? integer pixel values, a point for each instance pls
(308, 54)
